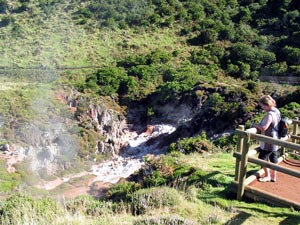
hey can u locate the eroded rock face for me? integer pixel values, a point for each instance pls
(110, 125)
(52, 143)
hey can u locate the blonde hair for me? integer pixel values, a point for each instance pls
(267, 100)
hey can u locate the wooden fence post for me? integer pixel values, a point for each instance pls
(243, 167)
(238, 149)
(295, 130)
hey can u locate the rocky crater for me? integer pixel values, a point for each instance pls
(114, 139)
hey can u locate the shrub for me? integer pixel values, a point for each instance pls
(22, 8)
(275, 69)
(17, 31)
(295, 70)
(6, 20)
(200, 57)
(292, 55)
(89, 206)
(158, 56)
(156, 178)
(3, 6)
(109, 80)
(144, 200)
(83, 13)
(205, 37)
(291, 110)
(105, 81)
(162, 220)
(249, 59)
(193, 144)
(233, 70)
(228, 143)
(215, 101)
(244, 16)
(227, 33)
(22, 209)
(253, 86)
(122, 191)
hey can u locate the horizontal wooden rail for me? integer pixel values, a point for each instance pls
(295, 137)
(272, 166)
(296, 122)
(270, 140)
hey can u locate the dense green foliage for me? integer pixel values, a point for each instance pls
(22, 209)
(194, 144)
(243, 39)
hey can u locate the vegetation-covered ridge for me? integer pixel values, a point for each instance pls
(244, 39)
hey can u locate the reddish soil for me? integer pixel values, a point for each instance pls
(286, 186)
(96, 190)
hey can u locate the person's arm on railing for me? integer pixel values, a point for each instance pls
(264, 127)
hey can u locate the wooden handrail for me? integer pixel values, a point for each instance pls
(295, 137)
(272, 166)
(243, 155)
(270, 140)
(296, 121)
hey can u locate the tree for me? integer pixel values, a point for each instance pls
(108, 79)
(292, 55)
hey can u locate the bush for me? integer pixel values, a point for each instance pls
(291, 110)
(122, 190)
(144, 200)
(6, 20)
(155, 178)
(105, 81)
(292, 55)
(163, 220)
(22, 209)
(227, 143)
(3, 6)
(205, 37)
(275, 69)
(295, 70)
(200, 57)
(193, 144)
(17, 31)
(89, 206)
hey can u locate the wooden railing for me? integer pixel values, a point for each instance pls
(246, 150)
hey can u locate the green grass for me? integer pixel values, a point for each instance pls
(217, 193)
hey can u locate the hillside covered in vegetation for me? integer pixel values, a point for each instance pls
(76, 74)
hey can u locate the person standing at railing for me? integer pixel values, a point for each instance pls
(268, 126)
